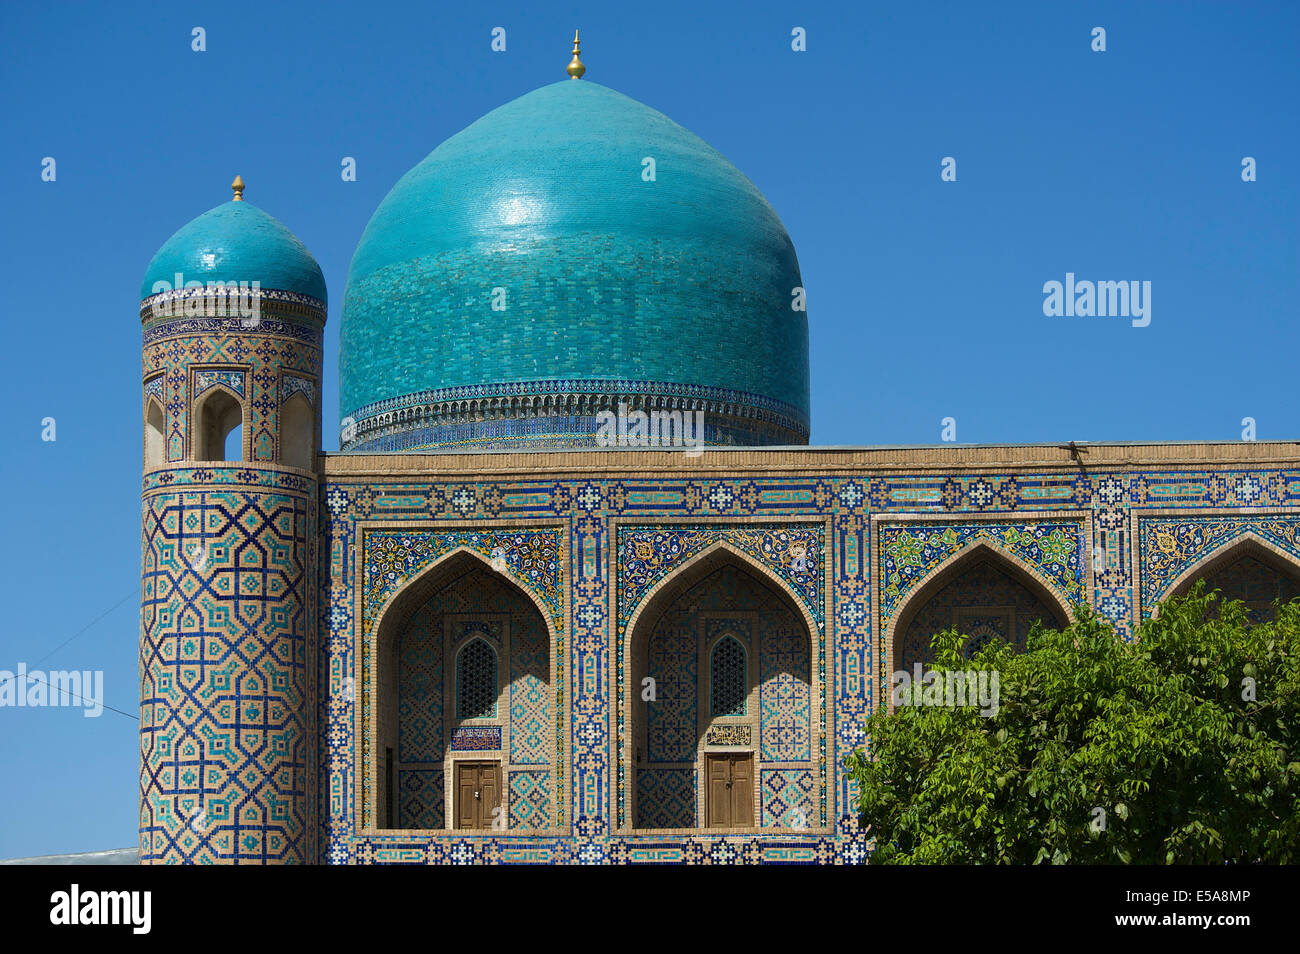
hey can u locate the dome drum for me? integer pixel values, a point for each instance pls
(434, 419)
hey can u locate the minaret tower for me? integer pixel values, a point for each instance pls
(233, 315)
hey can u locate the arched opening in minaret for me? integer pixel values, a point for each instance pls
(465, 704)
(984, 594)
(722, 694)
(219, 420)
(297, 433)
(155, 450)
(1249, 571)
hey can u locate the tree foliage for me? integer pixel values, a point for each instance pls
(1179, 747)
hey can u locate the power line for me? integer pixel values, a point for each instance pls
(83, 629)
(70, 639)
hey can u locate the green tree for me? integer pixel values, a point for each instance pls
(1178, 748)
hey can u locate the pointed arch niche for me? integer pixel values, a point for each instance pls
(1247, 568)
(724, 736)
(155, 443)
(461, 704)
(216, 413)
(298, 432)
(982, 590)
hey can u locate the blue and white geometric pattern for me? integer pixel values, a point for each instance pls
(530, 799)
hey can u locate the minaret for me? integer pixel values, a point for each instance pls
(233, 315)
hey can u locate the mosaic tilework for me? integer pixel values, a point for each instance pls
(420, 798)
(393, 557)
(647, 555)
(1169, 546)
(1256, 584)
(203, 380)
(983, 584)
(671, 720)
(218, 476)
(784, 691)
(787, 797)
(530, 799)
(910, 552)
(530, 696)
(224, 720)
(420, 729)
(666, 798)
(292, 384)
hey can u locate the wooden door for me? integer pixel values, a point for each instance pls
(478, 793)
(729, 790)
(742, 791)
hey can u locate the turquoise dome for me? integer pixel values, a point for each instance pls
(528, 271)
(237, 242)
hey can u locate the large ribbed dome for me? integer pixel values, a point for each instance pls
(528, 273)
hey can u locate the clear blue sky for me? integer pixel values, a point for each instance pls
(925, 297)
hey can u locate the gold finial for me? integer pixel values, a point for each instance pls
(238, 186)
(575, 68)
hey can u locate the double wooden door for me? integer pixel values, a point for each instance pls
(478, 794)
(729, 791)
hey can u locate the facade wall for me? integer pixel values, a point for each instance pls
(849, 538)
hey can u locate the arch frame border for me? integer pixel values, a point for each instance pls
(882, 631)
(823, 691)
(1193, 515)
(365, 671)
(197, 399)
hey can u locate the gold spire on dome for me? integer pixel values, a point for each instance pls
(238, 186)
(575, 69)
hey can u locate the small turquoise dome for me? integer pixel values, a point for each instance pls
(236, 242)
(538, 266)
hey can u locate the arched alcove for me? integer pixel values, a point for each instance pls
(298, 433)
(217, 414)
(721, 624)
(464, 703)
(984, 592)
(155, 444)
(1248, 569)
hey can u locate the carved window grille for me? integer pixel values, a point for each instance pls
(727, 678)
(476, 681)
